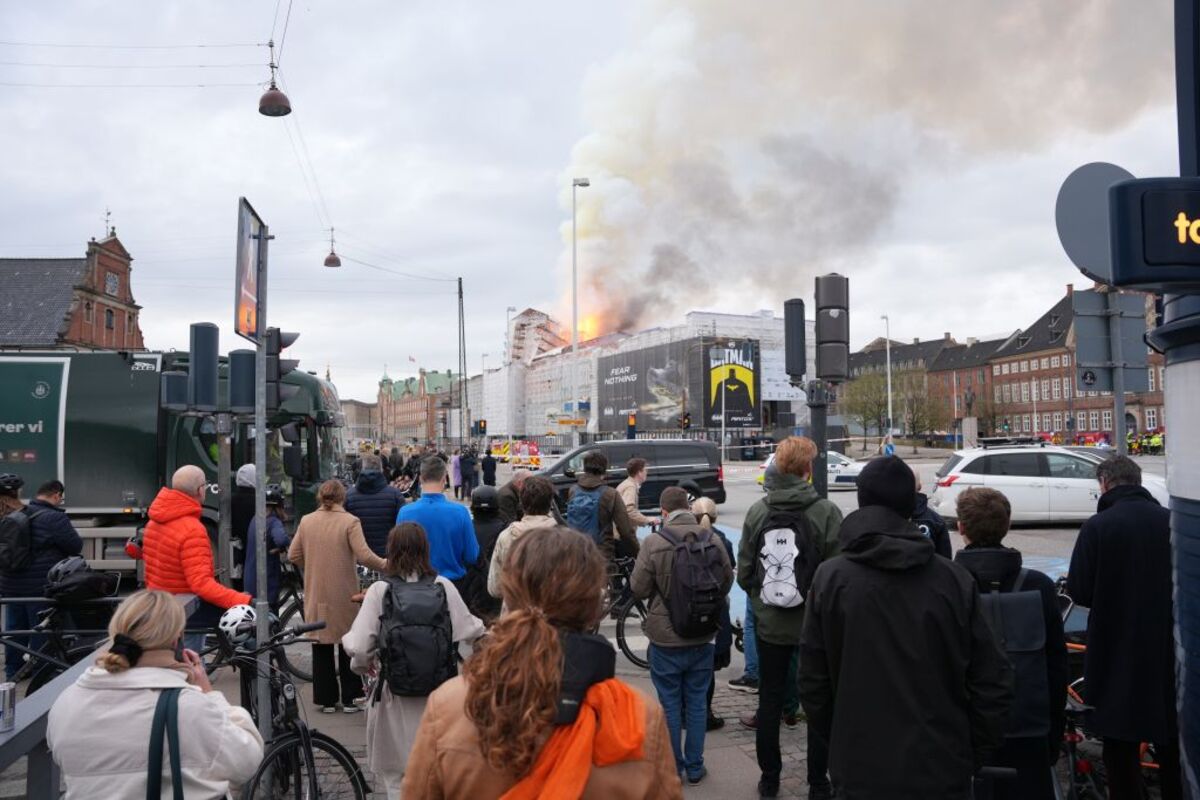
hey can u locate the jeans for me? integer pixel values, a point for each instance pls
(779, 694)
(203, 620)
(681, 676)
(20, 617)
(749, 642)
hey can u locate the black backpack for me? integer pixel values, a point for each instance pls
(16, 539)
(1019, 624)
(787, 554)
(416, 643)
(694, 599)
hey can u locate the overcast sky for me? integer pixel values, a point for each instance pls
(734, 153)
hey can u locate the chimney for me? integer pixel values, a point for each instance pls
(972, 341)
(916, 341)
(1070, 290)
(946, 336)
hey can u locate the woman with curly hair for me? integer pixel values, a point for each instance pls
(537, 712)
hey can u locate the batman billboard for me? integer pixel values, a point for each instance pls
(733, 382)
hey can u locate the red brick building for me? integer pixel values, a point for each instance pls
(71, 302)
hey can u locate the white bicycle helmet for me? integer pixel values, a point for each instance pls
(238, 624)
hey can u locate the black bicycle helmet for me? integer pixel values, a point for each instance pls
(485, 498)
(10, 482)
(65, 568)
(274, 495)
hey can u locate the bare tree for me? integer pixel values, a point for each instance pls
(920, 413)
(864, 401)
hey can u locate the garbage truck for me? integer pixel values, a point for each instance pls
(95, 421)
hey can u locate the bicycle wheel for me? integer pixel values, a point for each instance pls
(284, 771)
(48, 672)
(630, 638)
(291, 614)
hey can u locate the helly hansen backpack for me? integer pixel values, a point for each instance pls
(1018, 622)
(787, 554)
(583, 511)
(694, 599)
(416, 641)
(16, 539)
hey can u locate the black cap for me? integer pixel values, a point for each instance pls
(485, 498)
(887, 481)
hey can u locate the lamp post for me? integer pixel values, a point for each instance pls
(887, 343)
(508, 312)
(576, 184)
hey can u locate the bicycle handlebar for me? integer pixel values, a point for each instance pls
(307, 627)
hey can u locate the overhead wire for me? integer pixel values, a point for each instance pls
(125, 85)
(402, 274)
(126, 66)
(283, 38)
(95, 46)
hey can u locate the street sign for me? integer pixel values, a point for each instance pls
(1095, 356)
(248, 288)
(1155, 228)
(1081, 215)
(572, 422)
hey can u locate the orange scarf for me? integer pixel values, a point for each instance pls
(610, 728)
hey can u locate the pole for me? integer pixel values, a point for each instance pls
(224, 499)
(261, 607)
(1179, 339)
(462, 368)
(888, 348)
(1118, 373)
(1034, 386)
(818, 401)
(574, 317)
(723, 381)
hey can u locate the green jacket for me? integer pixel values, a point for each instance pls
(782, 625)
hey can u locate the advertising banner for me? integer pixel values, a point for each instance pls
(733, 382)
(655, 383)
(247, 298)
(32, 423)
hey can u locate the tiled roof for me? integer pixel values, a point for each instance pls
(35, 298)
(965, 356)
(1050, 331)
(920, 352)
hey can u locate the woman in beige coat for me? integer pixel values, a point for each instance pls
(328, 543)
(392, 720)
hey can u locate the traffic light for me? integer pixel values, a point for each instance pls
(833, 327)
(794, 340)
(1006, 426)
(685, 420)
(278, 392)
(631, 427)
(483, 427)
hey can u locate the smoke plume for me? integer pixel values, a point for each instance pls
(737, 149)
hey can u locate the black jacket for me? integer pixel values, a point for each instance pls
(488, 525)
(241, 507)
(932, 525)
(1000, 566)
(53, 538)
(898, 668)
(509, 498)
(488, 465)
(724, 641)
(1121, 570)
(376, 505)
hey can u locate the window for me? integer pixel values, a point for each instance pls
(1014, 464)
(1058, 421)
(1045, 363)
(1106, 421)
(1162, 378)
(996, 394)
(996, 369)
(1056, 388)
(1024, 366)
(1007, 393)
(87, 314)
(1151, 419)
(982, 375)
(1004, 368)
(1025, 392)
(977, 467)
(1025, 426)
(1150, 378)
(1094, 420)
(1081, 421)
(1033, 390)
(1045, 388)
(1063, 466)
(108, 318)
(1055, 361)
(1066, 386)
(1066, 361)
(1046, 424)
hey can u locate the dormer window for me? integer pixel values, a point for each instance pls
(1023, 341)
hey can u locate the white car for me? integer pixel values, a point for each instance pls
(842, 471)
(1043, 483)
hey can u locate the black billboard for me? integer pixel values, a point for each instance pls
(662, 382)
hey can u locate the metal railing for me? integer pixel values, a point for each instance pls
(28, 736)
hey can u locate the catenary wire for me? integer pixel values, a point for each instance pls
(129, 46)
(283, 39)
(125, 66)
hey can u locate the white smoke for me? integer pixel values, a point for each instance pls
(737, 149)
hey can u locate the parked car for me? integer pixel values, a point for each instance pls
(691, 463)
(842, 471)
(1044, 483)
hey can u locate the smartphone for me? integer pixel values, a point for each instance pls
(179, 649)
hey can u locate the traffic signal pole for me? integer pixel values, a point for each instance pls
(261, 607)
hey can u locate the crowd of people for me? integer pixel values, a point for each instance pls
(911, 670)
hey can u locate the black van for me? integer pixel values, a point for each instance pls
(690, 463)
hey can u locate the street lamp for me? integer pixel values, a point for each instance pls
(274, 103)
(888, 347)
(508, 312)
(332, 259)
(576, 184)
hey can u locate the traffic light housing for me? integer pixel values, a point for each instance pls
(631, 427)
(277, 367)
(685, 420)
(483, 427)
(833, 327)
(794, 341)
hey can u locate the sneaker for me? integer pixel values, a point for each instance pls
(768, 788)
(749, 720)
(328, 709)
(714, 723)
(791, 720)
(693, 780)
(351, 709)
(744, 684)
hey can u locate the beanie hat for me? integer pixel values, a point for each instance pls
(887, 481)
(245, 476)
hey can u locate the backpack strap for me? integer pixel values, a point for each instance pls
(1021, 576)
(670, 535)
(166, 721)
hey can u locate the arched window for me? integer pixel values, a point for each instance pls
(108, 319)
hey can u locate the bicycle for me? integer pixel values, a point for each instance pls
(628, 612)
(291, 610)
(1082, 780)
(299, 762)
(64, 646)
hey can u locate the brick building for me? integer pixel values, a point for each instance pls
(71, 302)
(960, 379)
(411, 410)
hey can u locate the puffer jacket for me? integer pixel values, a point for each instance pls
(376, 505)
(651, 579)
(53, 539)
(177, 552)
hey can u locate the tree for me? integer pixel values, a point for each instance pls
(920, 413)
(864, 400)
(987, 410)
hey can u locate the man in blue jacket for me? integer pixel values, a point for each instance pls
(448, 526)
(53, 538)
(376, 503)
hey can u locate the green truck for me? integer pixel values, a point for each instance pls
(95, 421)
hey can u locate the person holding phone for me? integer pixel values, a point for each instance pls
(98, 727)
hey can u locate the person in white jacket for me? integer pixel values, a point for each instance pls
(99, 726)
(392, 721)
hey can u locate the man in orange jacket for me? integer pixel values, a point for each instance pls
(178, 555)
